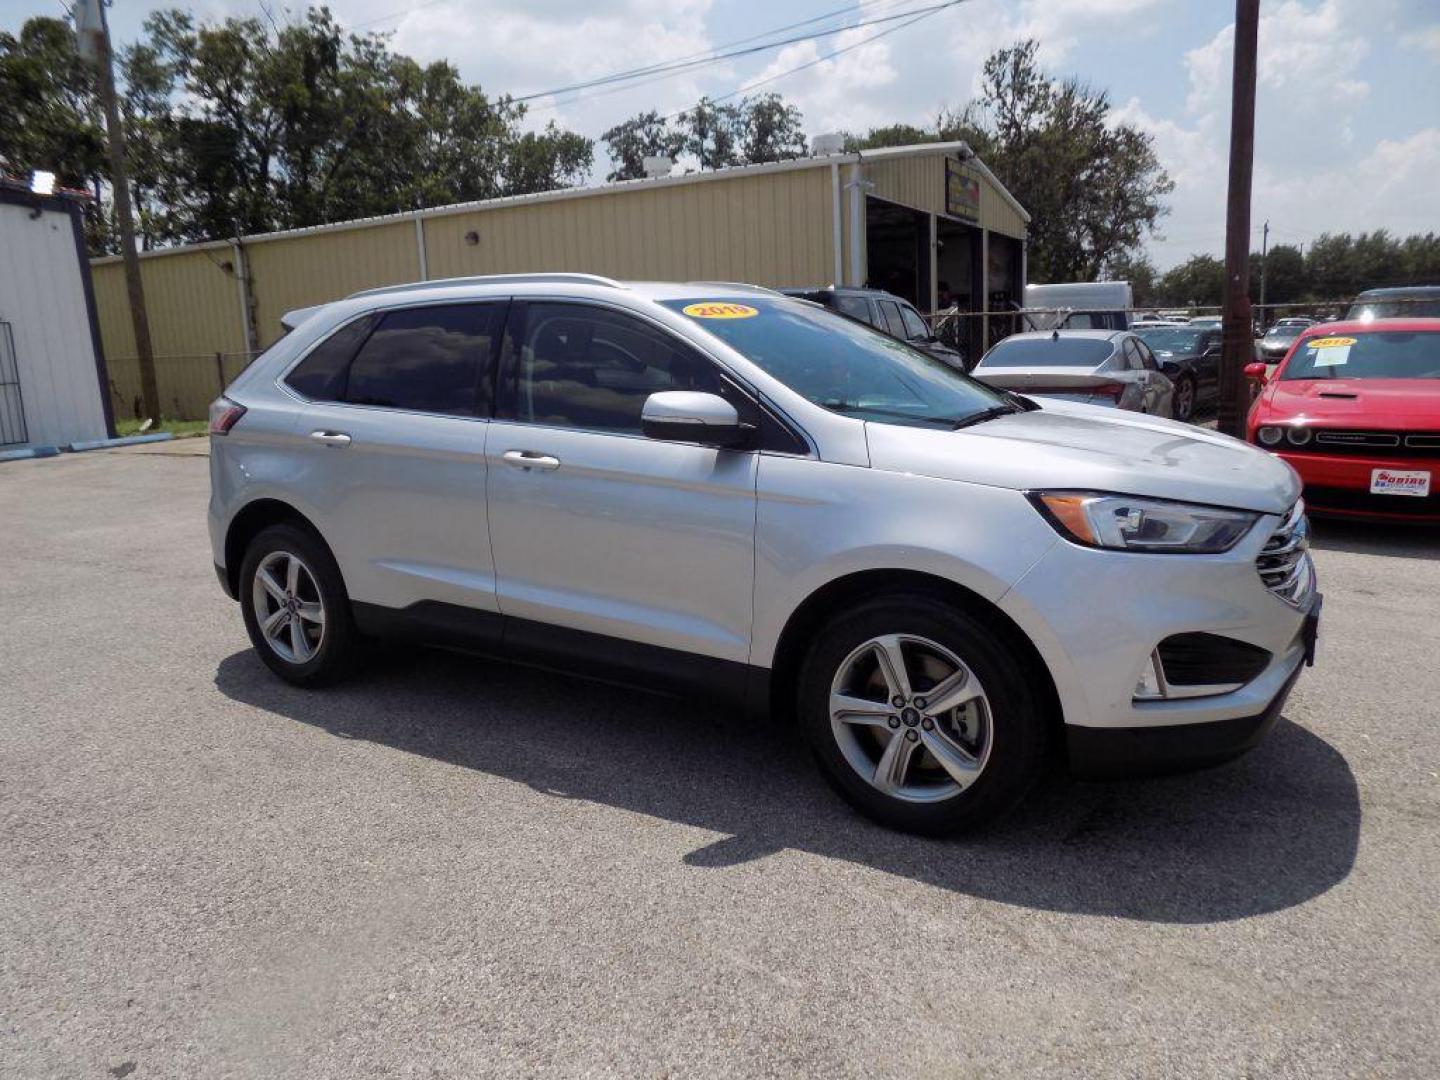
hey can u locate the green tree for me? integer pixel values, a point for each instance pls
(1094, 187)
(1199, 280)
(714, 134)
(773, 130)
(629, 143)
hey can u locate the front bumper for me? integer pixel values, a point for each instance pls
(1096, 616)
(1339, 485)
(1105, 753)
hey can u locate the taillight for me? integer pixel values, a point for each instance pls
(224, 415)
(1113, 390)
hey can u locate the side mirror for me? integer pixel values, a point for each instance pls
(693, 417)
(1214, 350)
(1256, 372)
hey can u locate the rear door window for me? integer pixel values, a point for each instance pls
(321, 375)
(915, 328)
(433, 359)
(894, 324)
(854, 306)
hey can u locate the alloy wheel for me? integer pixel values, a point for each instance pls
(911, 718)
(288, 608)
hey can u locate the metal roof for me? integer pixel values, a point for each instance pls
(957, 147)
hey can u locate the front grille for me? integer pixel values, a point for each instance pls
(1200, 659)
(1361, 501)
(1284, 563)
(1381, 443)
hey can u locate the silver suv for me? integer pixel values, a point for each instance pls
(722, 491)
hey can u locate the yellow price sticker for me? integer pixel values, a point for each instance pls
(716, 310)
(1329, 342)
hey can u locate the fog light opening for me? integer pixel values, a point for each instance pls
(1151, 684)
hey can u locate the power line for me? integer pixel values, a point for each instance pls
(655, 72)
(924, 13)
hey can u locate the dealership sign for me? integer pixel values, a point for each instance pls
(962, 191)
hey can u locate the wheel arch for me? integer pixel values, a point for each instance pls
(249, 522)
(853, 589)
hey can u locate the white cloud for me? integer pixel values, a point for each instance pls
(1426, 39)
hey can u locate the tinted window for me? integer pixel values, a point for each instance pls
(587, 367)
(915, 328)
(890, 312)
(427, 359)
(846, 367)
(854, 306)
(321, 375)
(1049, 352)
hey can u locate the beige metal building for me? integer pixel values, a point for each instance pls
(909, 219)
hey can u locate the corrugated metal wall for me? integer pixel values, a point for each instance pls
(772, 229)
(42, 297)
(312, 268)
(919, 181)
(770, 226)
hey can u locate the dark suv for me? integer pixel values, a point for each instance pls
(887, 313)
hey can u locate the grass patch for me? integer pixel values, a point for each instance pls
(173, 427)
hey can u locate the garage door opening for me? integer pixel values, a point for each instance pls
(897, 245)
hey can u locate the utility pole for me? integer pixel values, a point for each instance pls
(92, 34)
(1264, 263)
(1239, 344)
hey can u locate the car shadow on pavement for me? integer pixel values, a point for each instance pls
(1274, 829)
(1375, 538)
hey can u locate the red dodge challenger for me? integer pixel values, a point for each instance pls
(1355, 407)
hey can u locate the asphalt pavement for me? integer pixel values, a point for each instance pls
(453, 868)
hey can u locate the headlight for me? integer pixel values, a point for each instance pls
(1299, 435)
(1129, 523)
(1270, 435)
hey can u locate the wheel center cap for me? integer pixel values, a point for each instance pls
(911, 717)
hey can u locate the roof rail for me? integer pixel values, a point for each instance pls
(493, 279)
(739, 285)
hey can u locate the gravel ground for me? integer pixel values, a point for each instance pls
(450, 868)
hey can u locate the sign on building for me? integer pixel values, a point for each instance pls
(962, 191)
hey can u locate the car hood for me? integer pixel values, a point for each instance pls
(1064, 445)
(1392, 404)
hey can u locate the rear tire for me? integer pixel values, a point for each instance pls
(296, 610)
(1183, 403)
(971, 749)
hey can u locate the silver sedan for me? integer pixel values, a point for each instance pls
(1097, 367)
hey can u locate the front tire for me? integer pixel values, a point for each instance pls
(920, 717)
(295, 606)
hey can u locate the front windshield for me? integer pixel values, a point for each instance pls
(1171, 340)
(1419, 306)
(841, 365)
(1392, 354)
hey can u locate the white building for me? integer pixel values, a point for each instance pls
(53, 385)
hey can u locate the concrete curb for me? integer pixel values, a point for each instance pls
(29, 452)
(128, 440)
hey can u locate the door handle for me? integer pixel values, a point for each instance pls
(530, 459)
(331, 438)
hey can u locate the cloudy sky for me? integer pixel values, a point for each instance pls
(1348, 116)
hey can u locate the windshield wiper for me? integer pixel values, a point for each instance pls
(985, 414)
